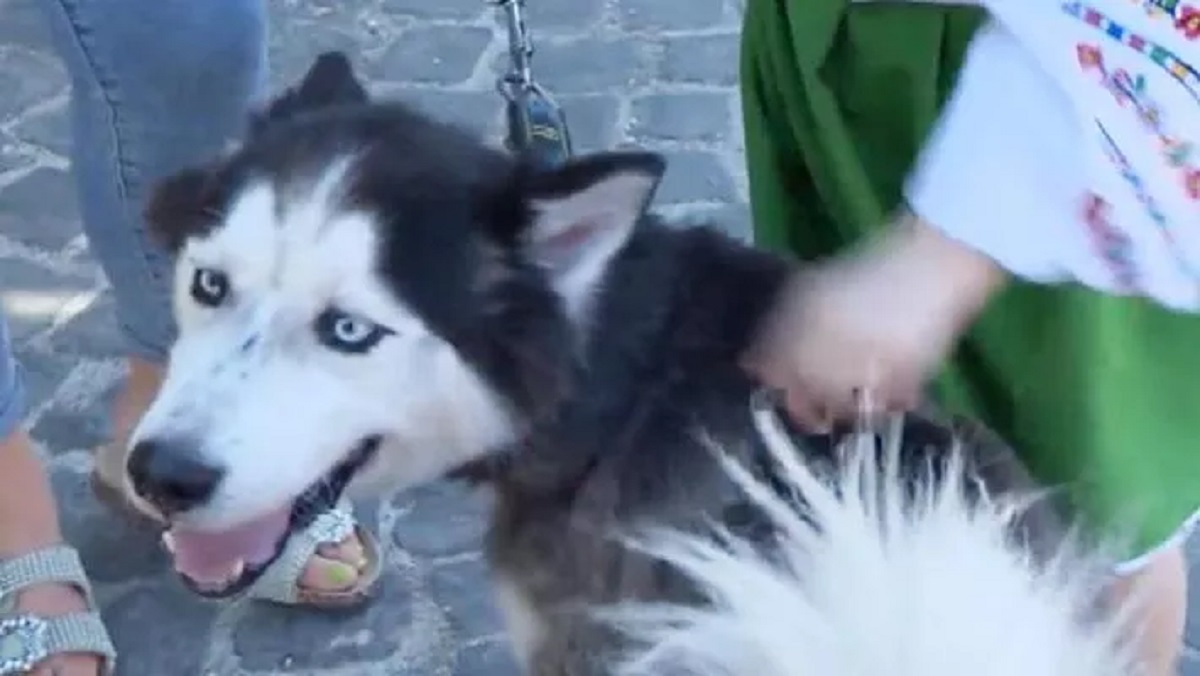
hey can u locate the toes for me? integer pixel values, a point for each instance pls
(336, 567)
(324, 574)
(349, 551)
(73, 664)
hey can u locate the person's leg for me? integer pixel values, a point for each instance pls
(156, 86)
(1158, 584)
(30, 522)
(29, 518)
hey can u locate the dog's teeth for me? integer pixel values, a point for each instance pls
(168, 541)
(236, 571)
(211, 587)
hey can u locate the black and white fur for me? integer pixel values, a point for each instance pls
(390, 283)
(873, 574)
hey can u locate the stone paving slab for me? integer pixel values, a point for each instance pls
(653, 73)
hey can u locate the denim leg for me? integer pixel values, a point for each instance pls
(157, 85)
(12, 391)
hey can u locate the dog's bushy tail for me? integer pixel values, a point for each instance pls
(874, 580)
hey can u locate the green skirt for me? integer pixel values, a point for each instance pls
(1099, 395)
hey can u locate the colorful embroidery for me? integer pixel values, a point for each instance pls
(1161, 56)
(1139, 188)
(1130, 90)
(1118, 158)
(1192, 183)
(1113, 245)
(1158, 9)
(1188, 22)
(1186, 18)
(1168, 7)
(1177, 153)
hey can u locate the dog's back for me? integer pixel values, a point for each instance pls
(660, 371)
(661, 387)
(874, 575)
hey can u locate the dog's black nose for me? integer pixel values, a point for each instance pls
(172, 475)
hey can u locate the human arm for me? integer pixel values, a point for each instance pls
(1003, 188)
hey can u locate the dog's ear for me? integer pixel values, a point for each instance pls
(183, 205)
(581, 214)
(330, 81)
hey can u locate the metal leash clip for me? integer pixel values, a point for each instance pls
(537, 126)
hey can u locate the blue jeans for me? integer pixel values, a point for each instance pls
(156, 85)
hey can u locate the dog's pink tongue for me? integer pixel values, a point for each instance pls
(211, 556)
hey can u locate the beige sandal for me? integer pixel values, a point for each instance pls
(280, 582)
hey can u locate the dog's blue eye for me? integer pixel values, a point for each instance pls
(346, 333)
(209, 287)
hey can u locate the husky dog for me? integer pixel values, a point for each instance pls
(366, 295)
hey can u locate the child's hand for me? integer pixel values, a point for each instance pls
(870, 328)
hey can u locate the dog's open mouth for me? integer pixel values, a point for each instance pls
(219, 564)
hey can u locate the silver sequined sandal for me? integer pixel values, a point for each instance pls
(27, 639)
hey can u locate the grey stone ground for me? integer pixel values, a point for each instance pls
(658, 73)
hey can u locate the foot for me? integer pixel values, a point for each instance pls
(56, 600)
(29, 523)
(333, 568)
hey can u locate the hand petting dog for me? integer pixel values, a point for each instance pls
(861, 334)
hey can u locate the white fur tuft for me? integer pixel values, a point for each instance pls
(891, 586)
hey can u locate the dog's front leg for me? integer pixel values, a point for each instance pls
(552, 644)
(575, 646)
(525, 626)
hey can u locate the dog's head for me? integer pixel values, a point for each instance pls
(361, 292)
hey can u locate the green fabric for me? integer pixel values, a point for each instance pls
(1099, 395)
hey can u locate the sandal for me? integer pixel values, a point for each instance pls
(27, 639)
(280, 582)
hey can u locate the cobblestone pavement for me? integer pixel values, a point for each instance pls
(657, 73)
